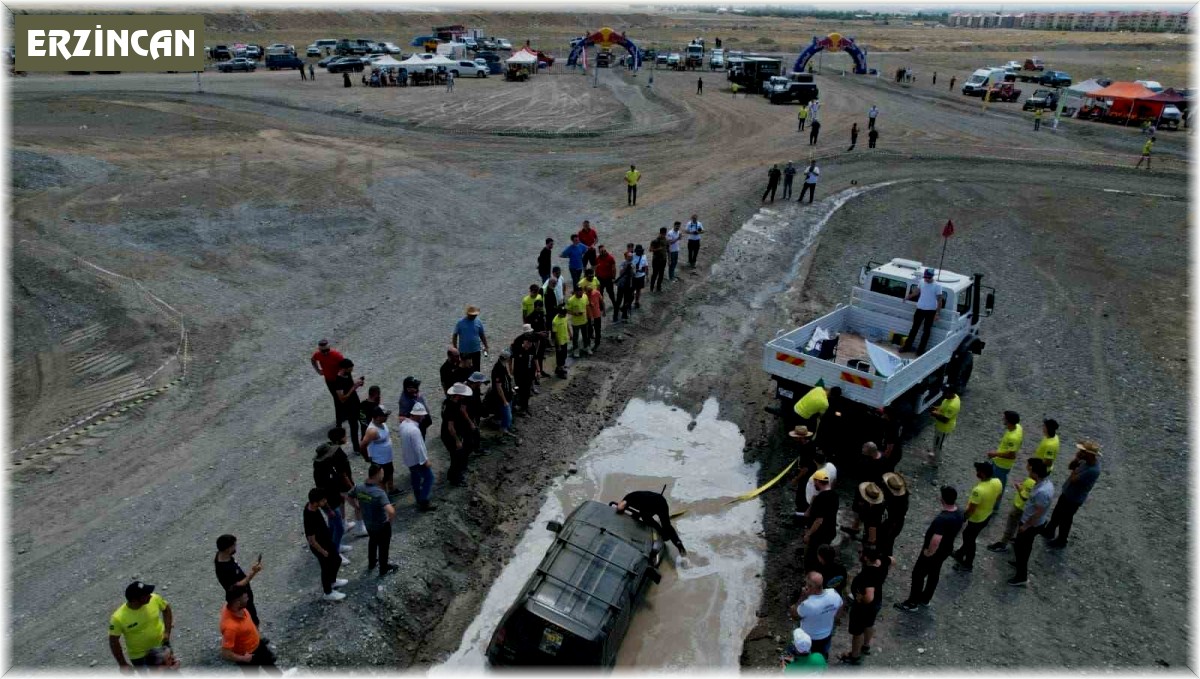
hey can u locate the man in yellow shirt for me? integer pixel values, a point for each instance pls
(535, 295)
(813, 405)
(1005, 455)
(145, 620)
(577, 309)
(1023, 488)
(980, 508)
(589, 281)
(1047, 450)
(802, 115)
(945, 416)
(1146, 148)
(631, 182)
(561, 334)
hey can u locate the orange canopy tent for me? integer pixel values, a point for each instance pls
(1125, 98)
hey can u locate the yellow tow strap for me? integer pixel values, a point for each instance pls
(752, 494)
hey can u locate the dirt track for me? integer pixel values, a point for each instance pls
(270, 215)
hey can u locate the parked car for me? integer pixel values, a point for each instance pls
(238, 64)
(282, 47)
(470, 69)
(390, 47)
(1013, 65)
(494, 62)
(470, 43)
(1055, 79)
(1003, 91)
(503, 44)
(1171, 118)
(253, 52)
(797, 87)
(661, 58)
(276, 62)
(487, 43)
(1041, 98)
(576, 608)
(312, 51)
(222, 53)
(329, 60)
(674, 60)
(345, 64)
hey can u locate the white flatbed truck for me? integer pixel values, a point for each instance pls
(905, 383)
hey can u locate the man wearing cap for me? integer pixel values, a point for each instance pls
(1033, 520)
(410, 397)
(145, 620)
(1005, 454)
(525, 368)
(469, 337)
(415, 456)
(945, 419)
(1085, 470)
(818, 609)
(327, 361)
(896, 508)
(240, 641)
(929, 300)
(821, 517)
(938, 543)
(346, 392)
(456, 432)
(377, 447)
(799, 658)
(980, 506)
(378, 514)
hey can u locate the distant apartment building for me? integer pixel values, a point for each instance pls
(1139, 21)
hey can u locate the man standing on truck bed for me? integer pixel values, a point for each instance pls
(647, 504)
(928, 303)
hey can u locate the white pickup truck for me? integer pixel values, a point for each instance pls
(861, 352)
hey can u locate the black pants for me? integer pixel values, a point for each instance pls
(349, 415)
(771, 190)
(596, 327)
(589, 258)
(560, 358)
(812, 136)
(1022, 548)
(458, 459)
(699, 88)
(787, 187)
(966, 553)
(623, 303)
(606, 286)
(810, 189)
(524, 390)
(870, 143)
(853, 143)
(870, 123)
(926, 572)
(581, 335)
(475, 358)
(329, 567)
(801, 125)
(631, 194)
(1062, 518)
(379, 544)
(888, 533)
(337, 405)
(261, 657)
(923, 320)
(658, 269)
(1037, 124)
(693, 252)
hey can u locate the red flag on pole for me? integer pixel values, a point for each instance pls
(948, 230)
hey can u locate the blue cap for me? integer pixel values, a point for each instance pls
(929, 273)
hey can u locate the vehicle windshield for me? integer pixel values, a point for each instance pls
(976, 79)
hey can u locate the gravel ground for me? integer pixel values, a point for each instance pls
(267, 223)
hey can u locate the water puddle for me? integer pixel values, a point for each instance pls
(707, 602)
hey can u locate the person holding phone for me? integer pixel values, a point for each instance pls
(230, 574)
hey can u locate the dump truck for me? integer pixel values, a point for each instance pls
(855, 345)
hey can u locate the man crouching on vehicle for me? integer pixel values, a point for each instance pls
(644, 504)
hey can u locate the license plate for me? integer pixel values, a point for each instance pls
(785, 393)
(551, 642)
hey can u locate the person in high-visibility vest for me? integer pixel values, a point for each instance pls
(1146, 148)
(631, 182)
(813, 405)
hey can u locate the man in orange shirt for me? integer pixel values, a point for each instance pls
(240, 642)
(327, 362)
(595, 314)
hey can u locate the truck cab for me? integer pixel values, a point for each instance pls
(857, 345)
(982, 80)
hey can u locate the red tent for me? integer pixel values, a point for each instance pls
(1128, 100)
(1168, 96)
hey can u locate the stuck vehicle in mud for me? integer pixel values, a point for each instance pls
(576, 608)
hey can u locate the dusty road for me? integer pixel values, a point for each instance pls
(267, 216)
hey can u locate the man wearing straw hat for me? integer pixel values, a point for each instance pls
(469, 337)
(1085, 469)
(806, 464)
(896, 502)
(456, 432)
(980, 507)
(868, 510)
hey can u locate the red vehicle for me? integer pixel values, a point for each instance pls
(1004, 92)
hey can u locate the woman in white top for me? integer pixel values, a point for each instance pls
(377, 444)
(639, 275)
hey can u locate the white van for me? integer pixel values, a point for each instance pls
(982, 80)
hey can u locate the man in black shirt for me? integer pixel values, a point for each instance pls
(833, 573)
(454, 369)
(525, 363)
(332, 474)
(345, 389)
(895, 501)
(866, 599)
(821, 518)
(545, 261)
(647, 505)
(229, 573)
(320, 543)
(939, 541)
(868, 509)
(891, 440)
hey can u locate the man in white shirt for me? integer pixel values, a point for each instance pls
(673, 237)
(814, 109)
(415, 457)
(871, 113)
(929, 300)
(818, 611)
(694, 229)
(811, 175)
